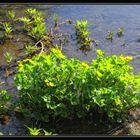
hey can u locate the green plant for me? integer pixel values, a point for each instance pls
(33, 131)
(54, 86)
(34, 24)
(81, 25)
(4, 99)
(56, 18)
(32, 11)
(8, 57)
(49, 133)
(83, 34)
(117, 90)
(8, 29)
(30, 49)
(47, 86)
(38, 31)
(26, 21)
(38, 28)
(109, 36)
(120, 32)
(11, 15)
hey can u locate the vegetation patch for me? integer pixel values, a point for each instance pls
(53, 86)
(82, 33)
(4, 99)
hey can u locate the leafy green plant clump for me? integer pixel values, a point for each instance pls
(34, 23)
(109, 36)
(8, 57)
(36, 132)
(4, 99)
(120, 32)
(7, 29)
(52, 85)
(83, 34)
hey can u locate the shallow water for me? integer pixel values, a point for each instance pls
(103, 18)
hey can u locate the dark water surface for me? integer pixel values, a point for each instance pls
(103, 18)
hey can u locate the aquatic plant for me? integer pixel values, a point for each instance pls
(56, 18)
(53, 86)
(49, 133)
(8, 57)
(11, 15)
(35, 132)
(109, 36)
(38, 31)
(120, 31)
(7, 29)
(26, 21)
(4, 99)
(34, 23)
(32, 11)
(83, 34)
(30, 48)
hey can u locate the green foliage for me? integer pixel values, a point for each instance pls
(109, 36)
(8, 57)
(31, 24)
(26, 21)
(82, 25)
(38, 31)
(31, 11)
(49, 133)
(11, 15)
(120, 32)
(52, 85)
(4, 99)
(116, 89)
(56, 18)
(30, 49)
(34, 23)
(35, 132)
(8, 29)
(83, 34)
